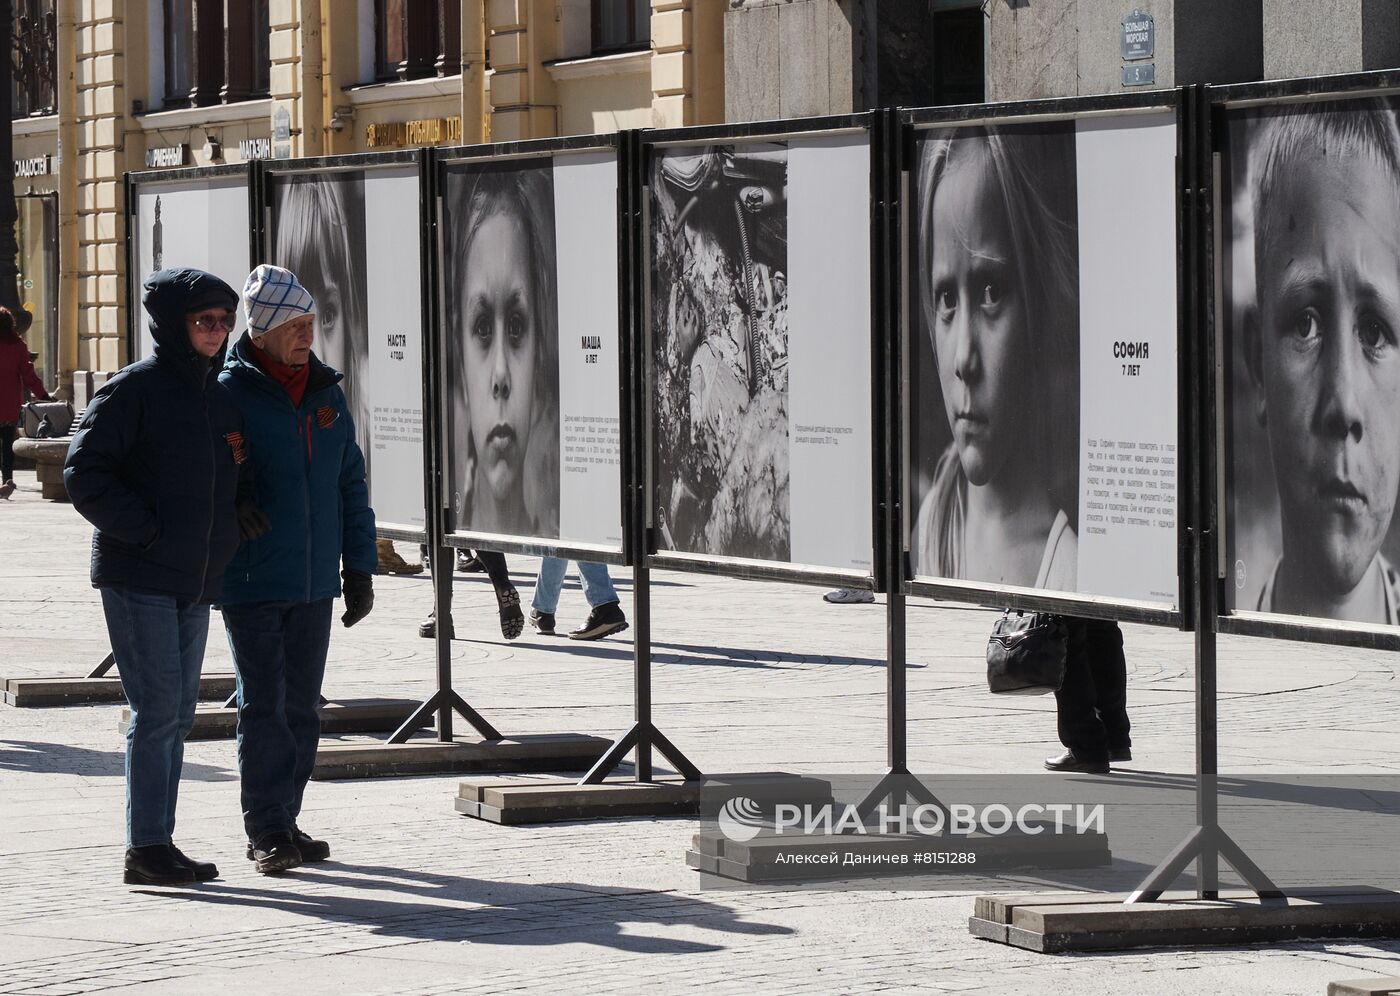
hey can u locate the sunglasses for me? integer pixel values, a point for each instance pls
(209, 324)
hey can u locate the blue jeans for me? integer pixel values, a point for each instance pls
(597, 585)
(158, 644)
(279, 650)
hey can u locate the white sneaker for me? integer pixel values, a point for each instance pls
(849, 596)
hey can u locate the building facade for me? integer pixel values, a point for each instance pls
(104, 87)
(115, 86)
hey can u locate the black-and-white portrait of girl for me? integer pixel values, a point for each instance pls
(320, 236)
(994, 357)
(501, 325)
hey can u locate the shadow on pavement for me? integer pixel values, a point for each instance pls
(692, 655)
(536, 913)
(49, 758)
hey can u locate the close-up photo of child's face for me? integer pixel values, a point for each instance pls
(977, 314)
(500, 330)
(1328, 358)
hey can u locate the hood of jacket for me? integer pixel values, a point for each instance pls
(240, 362)
(172, 294)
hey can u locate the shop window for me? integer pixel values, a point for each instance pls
(36, 233)
(416, 38)
(33, 92)
(621, 24)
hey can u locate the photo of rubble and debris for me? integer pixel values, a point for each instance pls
(719, 313)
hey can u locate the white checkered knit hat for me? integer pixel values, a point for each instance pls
(273, 296)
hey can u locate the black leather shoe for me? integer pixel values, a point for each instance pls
(1068, 762)
(154, 865)
(542, 621)
(204, 871)
(427, 629)
(311, 849)
(1120, 754)
(602, 621)
(512, 619)
(274, 853)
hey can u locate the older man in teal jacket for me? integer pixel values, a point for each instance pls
(279, 589)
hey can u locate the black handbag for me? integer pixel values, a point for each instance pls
(47, 419)
(1026, 653)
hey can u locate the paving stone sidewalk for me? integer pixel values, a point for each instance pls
(748, 677)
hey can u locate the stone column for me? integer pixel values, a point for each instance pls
(297, 104)
(687, 62)
(521, 37)
(70, 255)
(101, 113)
(474, 108)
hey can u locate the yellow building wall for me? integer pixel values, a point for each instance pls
(602, 105)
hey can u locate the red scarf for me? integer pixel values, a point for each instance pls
(292, 379)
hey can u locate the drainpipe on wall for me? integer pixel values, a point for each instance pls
(69, 263)
(473, 72)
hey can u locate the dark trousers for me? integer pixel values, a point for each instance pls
(279, 651)
(7, 452)
(158, 644)
(1092, 705)
(496, 570)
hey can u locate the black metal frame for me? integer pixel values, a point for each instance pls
(444, 701)
(897, 784)
(1219, 102)
(737, 134)
(1207, 842)
(269, 171)
(644, 736)
(1196, 530)
(1022, 112)
(151, 177)
(442, 160)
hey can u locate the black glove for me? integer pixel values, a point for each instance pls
(252, 523)
(359, 596)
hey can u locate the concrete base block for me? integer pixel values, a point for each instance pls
(41, 692)
(215, 722)
(790, 857)
(523, 801)
(543, 752)
(1059, 922)
(1365, 987)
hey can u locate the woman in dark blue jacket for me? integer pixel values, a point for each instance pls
(278, 591)
(154, 466)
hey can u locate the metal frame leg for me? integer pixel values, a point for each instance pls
(444, 701)
(642, 736)
(1204, 845)
(101, 670)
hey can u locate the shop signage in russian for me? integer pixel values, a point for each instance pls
(37, 166)
(423, 131)
(255, 148)
(170, 155)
